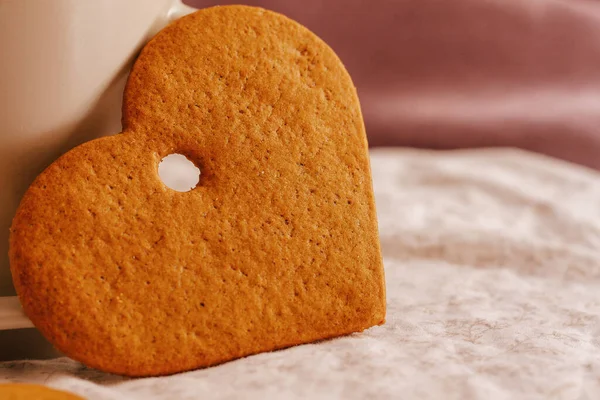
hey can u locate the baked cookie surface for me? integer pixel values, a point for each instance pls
(276, 246)
(21, 391)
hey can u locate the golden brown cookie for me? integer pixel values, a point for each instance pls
(276, 246)
(21, 391)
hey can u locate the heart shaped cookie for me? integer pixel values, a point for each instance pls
(276, 246)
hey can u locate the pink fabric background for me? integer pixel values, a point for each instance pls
(467, 73)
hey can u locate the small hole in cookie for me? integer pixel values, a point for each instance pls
(178, 173)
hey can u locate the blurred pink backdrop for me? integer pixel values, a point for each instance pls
(467, 73)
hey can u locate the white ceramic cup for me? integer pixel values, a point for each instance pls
(62, 72)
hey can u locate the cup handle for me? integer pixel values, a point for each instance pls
(12, 315)
(178, 10)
